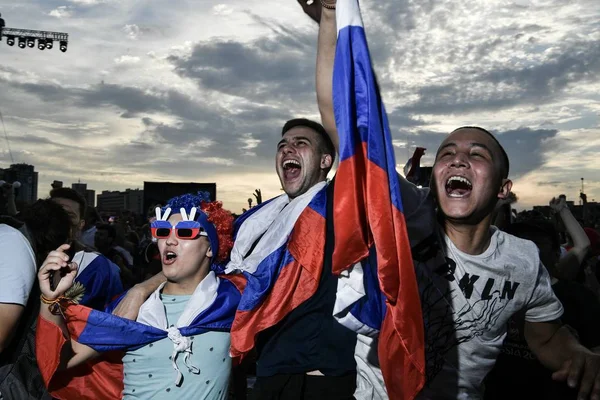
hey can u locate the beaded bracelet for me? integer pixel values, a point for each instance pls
(327, 6)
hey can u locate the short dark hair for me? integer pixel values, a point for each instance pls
(92, 217)
(70, 194)
(152, 210)
(326, 145)
(505, 161)
(49, 226)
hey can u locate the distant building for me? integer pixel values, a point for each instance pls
(590, 216)
(26, 175)
(134, 201)
(114, 201)
(88, 195)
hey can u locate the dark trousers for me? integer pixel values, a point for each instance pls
(305, 387)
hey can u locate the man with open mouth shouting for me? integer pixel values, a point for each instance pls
(284, 249)
(471, 276)
(179, 345)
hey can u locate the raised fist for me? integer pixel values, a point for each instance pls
(258, 196)
(313, 8)
(558, 204)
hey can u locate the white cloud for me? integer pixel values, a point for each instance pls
(399, 143)
(127, 60)
(417, 46)
(222, 10)
(132, 31)
(61, 12)
(249, 142)
(88, 2)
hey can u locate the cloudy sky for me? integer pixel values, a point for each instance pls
(199, 92)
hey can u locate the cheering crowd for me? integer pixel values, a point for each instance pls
(364, 286)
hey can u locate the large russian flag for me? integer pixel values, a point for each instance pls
(106, 333)
(368, 206)
(285, 278)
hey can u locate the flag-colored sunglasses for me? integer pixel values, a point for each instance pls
(186, 230)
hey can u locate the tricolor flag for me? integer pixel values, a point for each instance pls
(111, 335)
(368, 208)
(279, 247)
(101, 279)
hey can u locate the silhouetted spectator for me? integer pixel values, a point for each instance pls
(1, 26)
(105, 241)
(517, 373)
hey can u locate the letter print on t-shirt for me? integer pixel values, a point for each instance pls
(460, 302)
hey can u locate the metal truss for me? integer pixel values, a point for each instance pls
(29, 33)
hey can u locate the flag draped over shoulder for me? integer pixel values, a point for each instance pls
(368, 212)
(112, 335)
(279, 248)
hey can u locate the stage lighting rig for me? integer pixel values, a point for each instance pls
(27, 38)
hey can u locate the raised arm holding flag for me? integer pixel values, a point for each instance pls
(471, 276)
(368, 211)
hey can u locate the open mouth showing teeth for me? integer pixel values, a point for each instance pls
(291, 169)
(170, 256)
(458, 186)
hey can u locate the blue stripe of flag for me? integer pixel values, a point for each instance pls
(359, 105)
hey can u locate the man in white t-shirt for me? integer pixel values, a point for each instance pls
(472, 277)
(42, 226)
(23, 243)
(468, 297)
(18, 270)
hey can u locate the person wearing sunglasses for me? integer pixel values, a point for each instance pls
(179, 345)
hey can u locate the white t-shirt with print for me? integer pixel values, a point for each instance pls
(483, 291)
(466, 302)
(17, 266)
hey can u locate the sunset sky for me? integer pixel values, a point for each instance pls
(199, 91)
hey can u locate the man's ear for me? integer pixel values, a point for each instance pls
(326, 161)
(209, 252)
(505, 189)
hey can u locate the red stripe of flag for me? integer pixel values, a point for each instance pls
(100, 379)
(365, 216)
(296, 283)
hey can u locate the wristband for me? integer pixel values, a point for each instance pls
(73, 295)
(53, 305)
